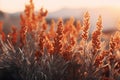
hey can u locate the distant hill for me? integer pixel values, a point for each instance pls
(4, 17)
(110, 16)
(66, 13)
(2, 14)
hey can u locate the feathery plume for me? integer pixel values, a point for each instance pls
(96, 36)
(86, 25)
(58, 45)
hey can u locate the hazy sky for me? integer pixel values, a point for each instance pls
(12, 6)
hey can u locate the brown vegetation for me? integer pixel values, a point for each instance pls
(62, 52)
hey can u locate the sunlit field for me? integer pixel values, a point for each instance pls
(58, 48)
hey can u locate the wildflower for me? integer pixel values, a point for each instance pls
(115, 42)
(58, 45)
(13, 35)
(86, 25)
(96, 36)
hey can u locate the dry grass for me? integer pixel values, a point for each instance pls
(62, 52)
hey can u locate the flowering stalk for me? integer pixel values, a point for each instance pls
(96, 36)
(114, 42)
(86, 25)
(13, 35)
(59, 37)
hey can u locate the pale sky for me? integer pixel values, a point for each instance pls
(12, 6)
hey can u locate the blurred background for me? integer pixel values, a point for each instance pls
(108, 9)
